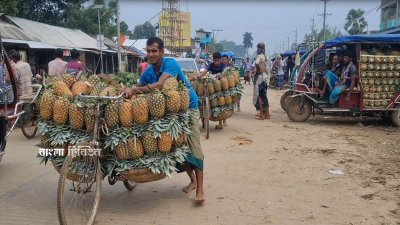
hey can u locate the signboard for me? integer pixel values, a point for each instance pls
(166, 27)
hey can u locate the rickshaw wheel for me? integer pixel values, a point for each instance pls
(29, 121)
(285, 99)
(130, 185)
(206, 116)
(78, 196)
(298, 109)
(396, 116)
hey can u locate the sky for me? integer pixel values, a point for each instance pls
(269, 21)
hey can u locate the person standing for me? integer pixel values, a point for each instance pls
(143, 66)
(247, 70)
(74, 67)
(57, 66)
(159, 71)
(260, 99)
(23, 74)
(280, 76)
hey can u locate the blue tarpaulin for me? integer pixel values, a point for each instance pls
(364, 38)
(289, 53)
(229, 54)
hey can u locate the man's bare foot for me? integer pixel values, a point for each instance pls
(219, 127)
(189, 188)
(199, 198)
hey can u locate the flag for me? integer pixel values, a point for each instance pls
(122, 39)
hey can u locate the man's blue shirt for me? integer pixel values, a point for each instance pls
(169, 66)
(214, 70)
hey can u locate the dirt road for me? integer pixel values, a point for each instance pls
(257, 172)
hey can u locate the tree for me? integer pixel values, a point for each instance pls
(143, 31)
(231, 46)
(355, 21)
(319, 35)
(46, 11)
(247, 41)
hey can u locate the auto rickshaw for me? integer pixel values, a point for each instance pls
(10, 105)
(377, 89)
(239, 63)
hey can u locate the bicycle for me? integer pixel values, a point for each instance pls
(29, 120)
(81, 189)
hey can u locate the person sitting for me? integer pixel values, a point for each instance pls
(74, 67)
(23, 74)
(57, 66)
(347, 79)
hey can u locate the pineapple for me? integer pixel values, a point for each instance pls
(221, 101)
(55, 78)
(231, 81)
(60, 111)
(228, 100)
(76, 115)
(173, 102)
(164, 142)
(214, 103)
(62, 89)
(109, 91)
(184, 94)
(156, 104)
(80, 87)
(236, 76)
(210, 88)
(46, 105)
(82, 78)
(68, 79)
(96, 89)
(121, 151)
(217, 85)
(135, 148)
(126, 113)
(149, 143)
(44, 142)
(94, 79)
(200, 89)
(89, 118)
(224, 84)
(171, 84)
(180, 141)
(140, 109)
(111, 115)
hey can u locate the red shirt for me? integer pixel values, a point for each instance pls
(74, 66)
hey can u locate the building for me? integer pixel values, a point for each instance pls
(390, 17)
(200, 42)
(37, 41)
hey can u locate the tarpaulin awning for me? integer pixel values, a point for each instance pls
(364, 38)
(31, 44)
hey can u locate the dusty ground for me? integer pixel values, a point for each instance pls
(257, 172)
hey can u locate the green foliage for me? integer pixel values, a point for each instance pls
(231, 46)
(355, 21)
(127, 79)
(143, 31)
(319, 35)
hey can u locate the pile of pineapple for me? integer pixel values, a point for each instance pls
(145, 131)
(379, 77)
(224, 94)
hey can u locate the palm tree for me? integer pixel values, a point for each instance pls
(247, 41)
(355, 21)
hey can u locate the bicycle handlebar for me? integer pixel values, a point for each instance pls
(101, 97)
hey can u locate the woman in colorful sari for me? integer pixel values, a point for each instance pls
(260, 99)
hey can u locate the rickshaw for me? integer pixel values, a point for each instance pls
(377, 90)
(10, 105)
(300, 55)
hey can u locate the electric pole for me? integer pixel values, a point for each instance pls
(296, 37)
(213, 33)
(119, 39)
(324, 15)
(288, 48)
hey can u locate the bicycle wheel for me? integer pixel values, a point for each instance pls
(29, 121)
(78, 196)
(130, 185)
(206, 116)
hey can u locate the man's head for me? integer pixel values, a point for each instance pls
(217, 58)
(260, 48)
(347, 57)
(58, 53)
(155, 50)
(225, 59)
(75, 54)
(335, 59)
(16, 56)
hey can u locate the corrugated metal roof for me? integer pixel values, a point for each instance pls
(11, 31)
(54, 35)
(31, 44)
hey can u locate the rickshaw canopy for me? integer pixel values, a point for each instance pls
(364, 38)
(229, 54)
